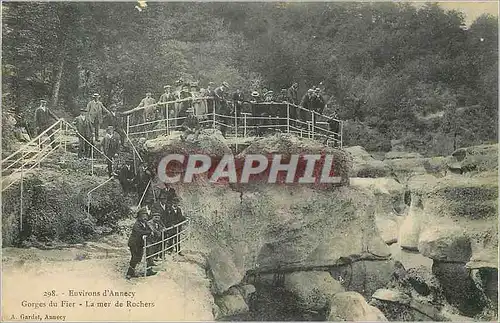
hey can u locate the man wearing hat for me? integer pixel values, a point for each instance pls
(210, 93)
(111, 146)
(292, 93)
(149, 112)
(318, 102)
(43, 118)
(84, 128)
(136, 243)
(96, 110)
(184, 105)
(115, 120)
(191, 125)
(170, 107)
(306, 104)
(238, 99)
(221, 106)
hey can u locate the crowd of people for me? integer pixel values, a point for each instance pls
(159, 206)
(226, 104)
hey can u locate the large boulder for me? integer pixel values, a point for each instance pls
(445, 244)
(454, 202)
(222, 271)
(230, 304)
(209, 142)
(364, 277)
(312, 289)
(274, 226)
(287, 145)
(476, 158)
(364, 165)
(459, 288)
(389, 205)
(351, 306)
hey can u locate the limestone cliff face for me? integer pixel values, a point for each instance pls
(240, 228)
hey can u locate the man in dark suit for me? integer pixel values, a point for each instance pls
(43, 118)
(136, 243)
(238, 99)
(111, 146)
(84, 128)
(292, 93)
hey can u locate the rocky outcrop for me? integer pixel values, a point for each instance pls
(209, 142)
(287, 144)
(313, 290)
(228, 305)
(364, 165)
(398, 306)
(55, 208)
(267, 226)
(351, 306)
(445, 244)
(475, 159)
(459, 288)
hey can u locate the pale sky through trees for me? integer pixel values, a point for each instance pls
(471, 9)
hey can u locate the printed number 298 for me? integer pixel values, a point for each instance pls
(49, 293)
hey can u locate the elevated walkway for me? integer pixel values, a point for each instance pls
(253, 120)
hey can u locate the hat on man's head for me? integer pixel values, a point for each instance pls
(167, 87)
(255, 93)
(268, 93)
(83, 110)
(310, 90)
(148, 93)
(43, 101)
(283, 90)
(211, 83)
(318, 89)
(95, 95)
(225, 84)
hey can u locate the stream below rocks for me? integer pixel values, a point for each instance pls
(270, 303)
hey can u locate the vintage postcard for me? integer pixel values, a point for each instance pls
(249, 161)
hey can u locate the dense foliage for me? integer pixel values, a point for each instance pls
(394, 70)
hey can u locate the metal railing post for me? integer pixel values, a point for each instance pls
(213, 115)
(163, 244)
(236, 128)
(60, 131)
(88, 202)
(92, 160)
(145, 256)
(65, 133)
(21, 208)
(128, 124)
(167, 122)
(288, 117)
(244, 125)
(341, 133)
(312, 124)
(177, 243)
